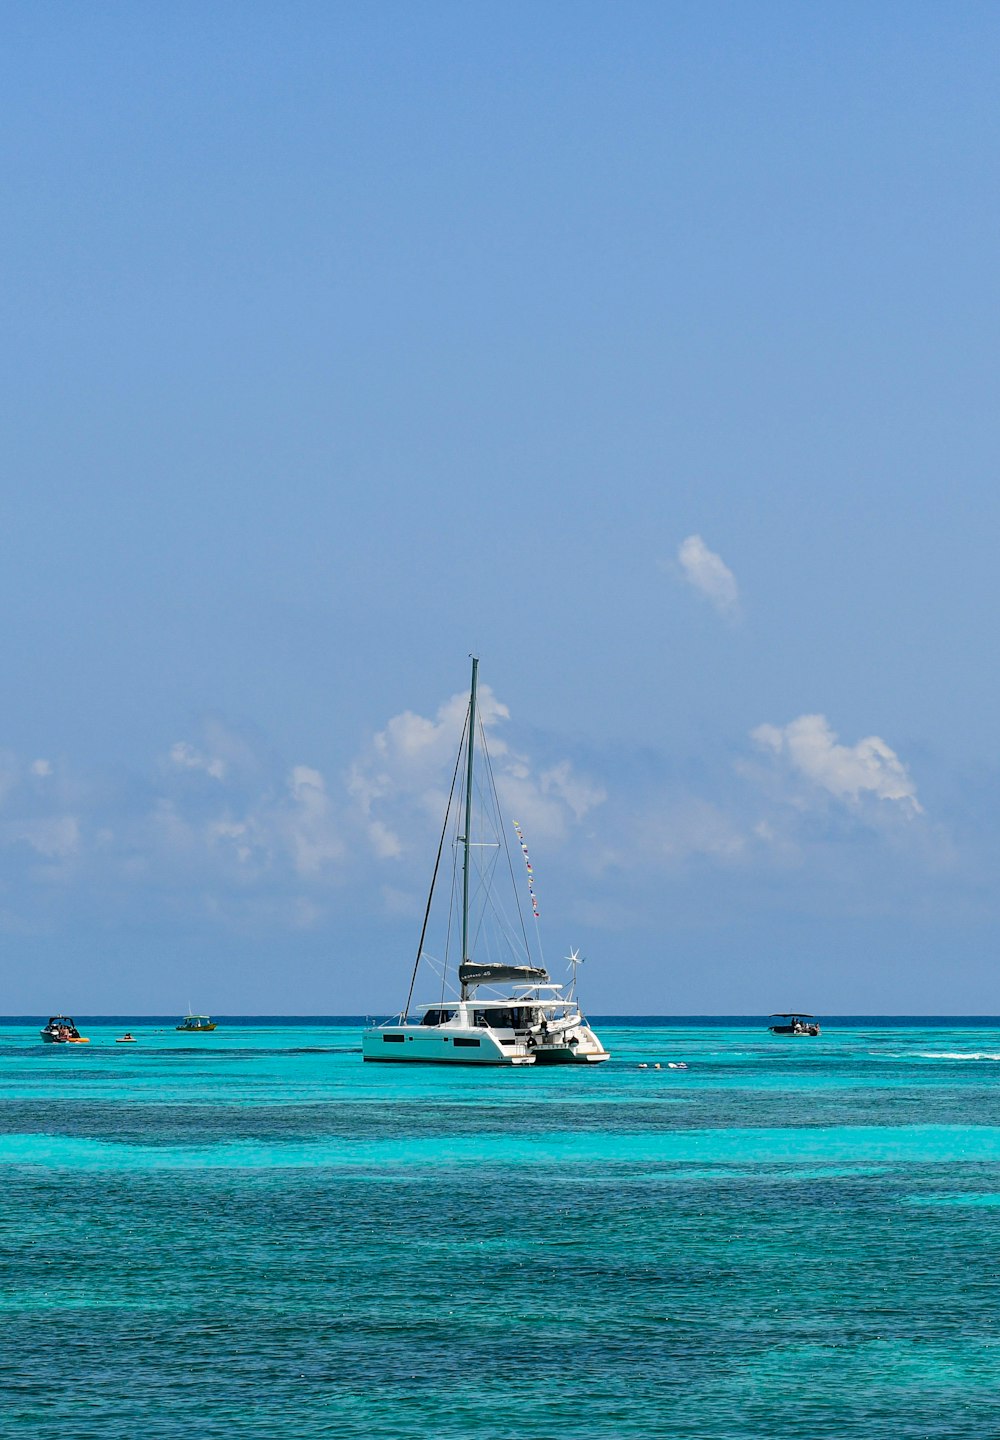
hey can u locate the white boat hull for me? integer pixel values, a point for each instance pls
(449, 1045)
(566, 1055)
(432, 1045)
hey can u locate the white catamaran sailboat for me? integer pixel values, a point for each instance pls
(508, 1011)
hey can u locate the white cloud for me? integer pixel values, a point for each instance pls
(709, 575)
(237, 833)
(579, 793)
(185, 757)
(545, 804)
(246, 839)
(810, 750)
(400, 782)
(407, 763)
(291, 830)
(310, 825)
(411, 741)
(386, 845)
(57, 837)
(222, 753)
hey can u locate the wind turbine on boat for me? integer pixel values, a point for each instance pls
(575, 961)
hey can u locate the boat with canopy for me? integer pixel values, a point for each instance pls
(796, 1023)
(498, 1005)
(60, 1030)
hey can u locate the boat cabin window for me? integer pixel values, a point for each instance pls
(437, 1017)
(510, 1017)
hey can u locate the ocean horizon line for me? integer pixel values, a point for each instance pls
(649, 1019)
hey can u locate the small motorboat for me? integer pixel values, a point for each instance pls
(127, 1039)
(196, 1024)
(62, 1031)
(795, 1024)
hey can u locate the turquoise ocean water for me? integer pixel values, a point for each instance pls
(253, 1234)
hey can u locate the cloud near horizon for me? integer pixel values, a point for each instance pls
(221, 831)
(708, 573)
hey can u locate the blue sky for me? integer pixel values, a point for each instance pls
(649, 350)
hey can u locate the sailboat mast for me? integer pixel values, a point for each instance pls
(467, 837)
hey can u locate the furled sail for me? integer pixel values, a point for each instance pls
(472, 974)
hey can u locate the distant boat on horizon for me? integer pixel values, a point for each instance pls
(524, 1019)
(797, 1023)
(196, 1024)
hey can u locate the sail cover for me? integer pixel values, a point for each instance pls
(470, 974)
